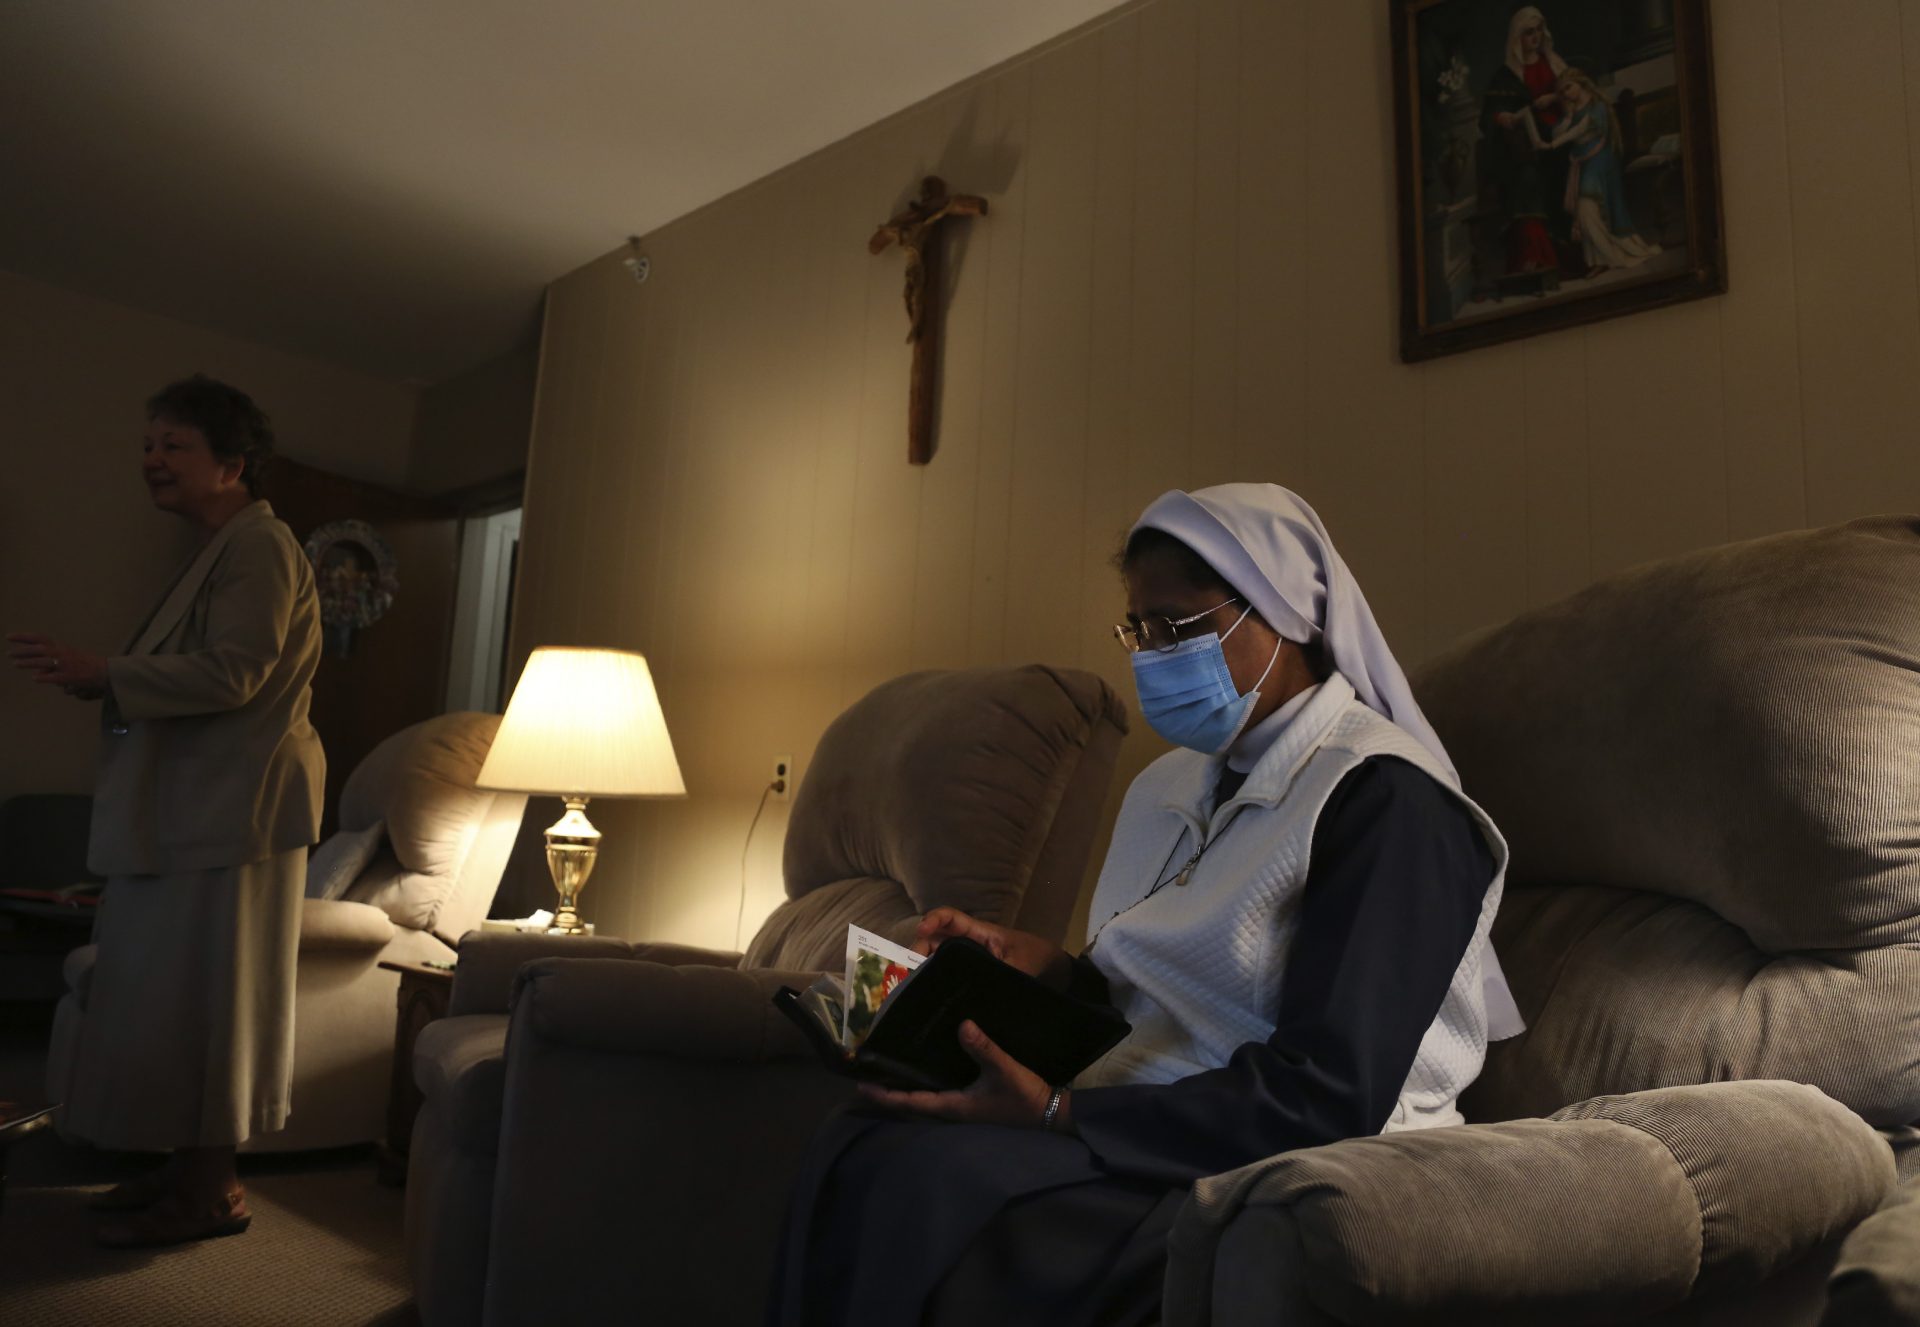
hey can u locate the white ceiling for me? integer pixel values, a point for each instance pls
(388, 184)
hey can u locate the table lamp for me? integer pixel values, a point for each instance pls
(582, 723)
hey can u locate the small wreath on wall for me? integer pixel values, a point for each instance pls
(357, 577)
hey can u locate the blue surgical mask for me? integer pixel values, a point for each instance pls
(1187, 694)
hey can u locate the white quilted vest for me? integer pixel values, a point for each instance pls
(1196, 968)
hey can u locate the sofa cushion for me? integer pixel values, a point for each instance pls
(1651, 991)
(342, 926)
(1876, 1282)
(338, 862)
(420, 781)
(1905, 1141)
(809, 934)
(460, 1064)
(1703, 768)
(946, 782)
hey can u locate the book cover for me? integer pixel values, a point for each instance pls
(897, 1023)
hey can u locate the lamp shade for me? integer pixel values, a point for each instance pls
(584, 722)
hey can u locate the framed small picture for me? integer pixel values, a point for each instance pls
(1557, 165)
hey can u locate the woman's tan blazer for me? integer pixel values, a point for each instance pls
(207, 758)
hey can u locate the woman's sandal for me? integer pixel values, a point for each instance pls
(173, 1221)
(142, 1191)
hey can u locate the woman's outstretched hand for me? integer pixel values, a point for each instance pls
(1019, 949)
(74, 671)
(1006, 1092)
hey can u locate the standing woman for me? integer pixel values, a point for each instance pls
(1293, 916)
(208, 794)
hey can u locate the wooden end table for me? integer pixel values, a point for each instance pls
(424, 992)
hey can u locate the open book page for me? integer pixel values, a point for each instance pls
(876, 967)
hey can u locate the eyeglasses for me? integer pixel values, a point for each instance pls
(1161, 634)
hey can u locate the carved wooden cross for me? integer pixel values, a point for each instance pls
(914, 231)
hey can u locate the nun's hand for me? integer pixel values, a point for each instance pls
(1006, 1092)
(1029, 953)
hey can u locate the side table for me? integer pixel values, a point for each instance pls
(17, 1122)
(35, 938)
(424, 992)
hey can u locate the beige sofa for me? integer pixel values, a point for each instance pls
(620, 1147)
(446, 845)
(1709, 773)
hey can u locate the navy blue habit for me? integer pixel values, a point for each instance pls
(906, 1220)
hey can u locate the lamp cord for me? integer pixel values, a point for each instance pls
(741, 916)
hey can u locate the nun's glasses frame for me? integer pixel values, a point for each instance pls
(1161, 635)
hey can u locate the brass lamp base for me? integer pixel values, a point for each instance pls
(573, 845)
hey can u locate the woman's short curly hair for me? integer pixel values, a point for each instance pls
(234, 427)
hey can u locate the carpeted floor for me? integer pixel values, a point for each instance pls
(324, 1248)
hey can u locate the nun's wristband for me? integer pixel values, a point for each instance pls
(1053, 1109)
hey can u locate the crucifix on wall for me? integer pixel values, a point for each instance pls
(916, 232)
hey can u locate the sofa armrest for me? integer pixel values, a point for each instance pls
(1612, 1209)
(687, 1012)
(489, 961)
(673, 955)
(682, 1085)
(340, 925)
(460, 1065)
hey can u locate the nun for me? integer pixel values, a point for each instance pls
(1293, 916)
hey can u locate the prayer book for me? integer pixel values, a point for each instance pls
(895, 1019)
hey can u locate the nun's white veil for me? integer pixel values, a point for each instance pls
(1269, 545)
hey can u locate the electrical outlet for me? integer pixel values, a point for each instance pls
(782, 778)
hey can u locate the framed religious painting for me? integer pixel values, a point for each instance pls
(1557, 165)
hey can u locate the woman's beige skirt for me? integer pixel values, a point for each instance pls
(187, 1039)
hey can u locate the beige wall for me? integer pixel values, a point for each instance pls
(82, 554)
(475, 427)
(1187, 277)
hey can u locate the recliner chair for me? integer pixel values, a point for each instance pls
(620, 1146)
